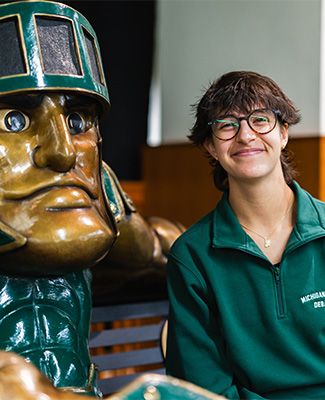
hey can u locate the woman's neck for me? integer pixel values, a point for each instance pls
(260, 203)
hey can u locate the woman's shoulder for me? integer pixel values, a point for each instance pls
(310, 210)
(304, 195)
(197, 234)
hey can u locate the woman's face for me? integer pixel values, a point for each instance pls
(249, 155)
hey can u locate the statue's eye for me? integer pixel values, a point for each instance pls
(13, 121)
(76, 123)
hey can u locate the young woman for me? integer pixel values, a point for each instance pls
(247, 282)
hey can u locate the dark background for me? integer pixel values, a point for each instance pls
(125, 31)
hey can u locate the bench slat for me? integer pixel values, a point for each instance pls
(129, 311)
(128, 359)
(110, 337)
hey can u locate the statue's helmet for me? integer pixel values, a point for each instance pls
(49, 46)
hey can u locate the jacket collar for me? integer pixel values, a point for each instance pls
(310, 224)
(310, 219)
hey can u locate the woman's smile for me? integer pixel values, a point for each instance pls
(248, 152)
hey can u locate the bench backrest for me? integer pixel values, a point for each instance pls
(125, 342)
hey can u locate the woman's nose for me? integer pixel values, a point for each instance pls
(55, 149)
(245, 133)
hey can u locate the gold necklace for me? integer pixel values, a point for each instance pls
(267, 239)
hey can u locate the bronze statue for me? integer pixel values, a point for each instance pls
(61, 208)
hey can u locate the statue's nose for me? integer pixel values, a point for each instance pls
(55, 149)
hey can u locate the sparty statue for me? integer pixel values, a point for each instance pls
(61, 207)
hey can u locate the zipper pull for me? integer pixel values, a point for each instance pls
(277, 272)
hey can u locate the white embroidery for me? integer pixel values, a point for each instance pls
(314, 296)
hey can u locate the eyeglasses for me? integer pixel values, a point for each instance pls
(260, 121)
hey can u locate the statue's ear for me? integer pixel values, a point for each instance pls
(10, 239)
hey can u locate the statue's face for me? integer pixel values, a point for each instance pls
(50, 189)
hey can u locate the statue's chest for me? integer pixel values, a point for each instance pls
(39, 312)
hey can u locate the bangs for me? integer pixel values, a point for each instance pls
(244, 97)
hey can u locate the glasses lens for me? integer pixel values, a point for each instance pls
(262, 121)
(225, 128)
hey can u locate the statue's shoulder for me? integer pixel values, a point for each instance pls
(117, 199)
(9, 238)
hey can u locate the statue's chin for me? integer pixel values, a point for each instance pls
(59, 248)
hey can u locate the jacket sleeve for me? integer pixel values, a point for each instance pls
(195, 347)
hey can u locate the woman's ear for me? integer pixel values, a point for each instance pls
(284, 135)
(209, 146)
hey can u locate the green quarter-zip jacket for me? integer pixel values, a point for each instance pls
(240, 326)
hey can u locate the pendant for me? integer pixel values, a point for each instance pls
(267, 243)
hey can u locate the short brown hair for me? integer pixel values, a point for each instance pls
(242, 91)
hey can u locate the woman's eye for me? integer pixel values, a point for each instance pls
(229, 125)
(76, 124)
(226, 124)
(260, 120)
(13, 121)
